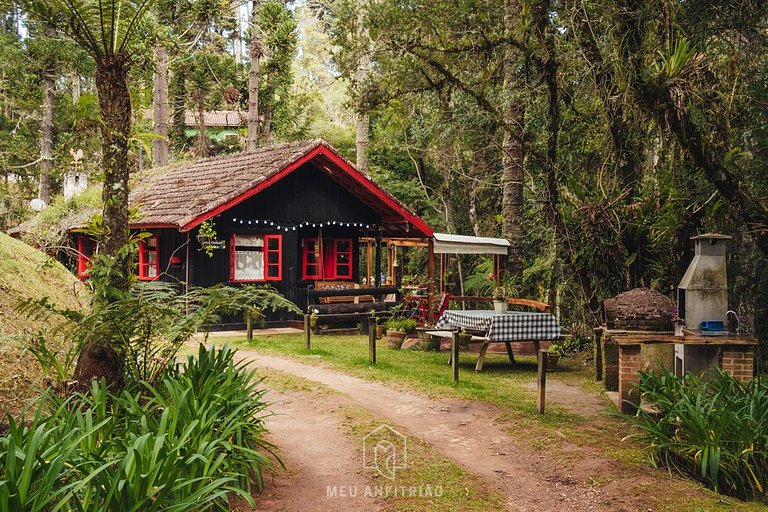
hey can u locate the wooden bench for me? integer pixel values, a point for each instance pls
(341, 286)
(348, 310)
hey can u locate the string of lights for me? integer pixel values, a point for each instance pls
(307, 224)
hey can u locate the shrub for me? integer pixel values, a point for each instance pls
(187, 444)
(400, 324)
(711, 427)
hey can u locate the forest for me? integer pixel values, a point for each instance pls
(596, 136)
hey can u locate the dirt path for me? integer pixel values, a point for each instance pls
(465, 431)
(313, 461)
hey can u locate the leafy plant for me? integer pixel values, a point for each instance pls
(187, 444)
(208, 233)
(712, 427)
(400, 324)
(149, 324)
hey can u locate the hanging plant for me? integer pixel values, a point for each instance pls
(206, 235)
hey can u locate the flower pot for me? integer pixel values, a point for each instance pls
(395, 339)
(464, 340)
(380, 331)
(500, 306)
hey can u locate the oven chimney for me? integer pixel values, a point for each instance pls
(702, 294)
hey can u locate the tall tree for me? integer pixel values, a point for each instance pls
(513, 148)
(160, 110)
(360, 79)
(46, 140)
(108, 31)
(254, 76)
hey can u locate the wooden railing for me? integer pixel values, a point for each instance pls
(534, 304)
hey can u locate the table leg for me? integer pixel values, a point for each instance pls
(536, 346)
(481, 359)
(511, 356)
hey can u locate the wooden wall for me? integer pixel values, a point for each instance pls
(306, 195)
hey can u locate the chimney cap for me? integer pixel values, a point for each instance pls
(711, 236)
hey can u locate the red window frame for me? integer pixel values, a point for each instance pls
(277, 266)
(328, 263)
(305, 264)
(337, 264)
(144, 257)
(86, 246)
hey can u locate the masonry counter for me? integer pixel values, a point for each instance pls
(692, 352)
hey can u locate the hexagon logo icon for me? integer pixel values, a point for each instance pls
(385, 450)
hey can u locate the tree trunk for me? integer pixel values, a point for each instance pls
(75, 88)
(363, 64)
(361, 141)
(513, 153)
(178, 94)
(46, 143)
(160, 152)
(115, 105)
(254, 76)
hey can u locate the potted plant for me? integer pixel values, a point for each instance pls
(554, 353)
(677, 323)
(379, 329)
(500, 300)
(206, 235)
(395, 332)
(313, 318)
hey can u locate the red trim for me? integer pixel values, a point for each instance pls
(85, 249)
(144, 264)
(327, 259)
(336, 263)
(139, 225)
(266, 251)
(336, 159)
(318, 264)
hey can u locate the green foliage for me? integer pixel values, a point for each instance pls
(712, 427)
(187, 444)
(400, 324)
(150, 322)
(49, 228)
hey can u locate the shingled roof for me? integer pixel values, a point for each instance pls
(184, 195)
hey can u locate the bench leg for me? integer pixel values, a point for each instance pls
(510, 355)
(481, 358)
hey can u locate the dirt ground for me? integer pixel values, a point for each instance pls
(472, 434)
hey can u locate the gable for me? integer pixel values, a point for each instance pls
(186, 195)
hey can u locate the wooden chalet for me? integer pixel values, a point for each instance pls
(289, 215)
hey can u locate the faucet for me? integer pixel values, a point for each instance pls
(732, 312)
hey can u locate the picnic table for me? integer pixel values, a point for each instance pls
(502, 328)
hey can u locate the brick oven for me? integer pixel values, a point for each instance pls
(638, 334)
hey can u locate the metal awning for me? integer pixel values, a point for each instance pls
(461, 244)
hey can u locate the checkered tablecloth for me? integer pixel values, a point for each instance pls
(511, 326)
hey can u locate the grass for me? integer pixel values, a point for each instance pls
(26, 273)
(499, 383)
(459, 490)
(507, 387)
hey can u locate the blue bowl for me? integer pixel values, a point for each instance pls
(712, 325)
